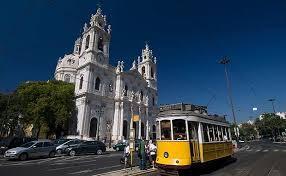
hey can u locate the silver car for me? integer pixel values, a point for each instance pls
(32, 149)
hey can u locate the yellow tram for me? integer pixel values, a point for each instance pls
(187, 135)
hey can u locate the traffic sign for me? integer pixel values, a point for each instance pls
(136, 118)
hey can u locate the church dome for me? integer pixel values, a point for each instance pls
(66, 68)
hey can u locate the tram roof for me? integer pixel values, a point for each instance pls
(181, 109)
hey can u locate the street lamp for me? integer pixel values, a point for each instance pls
(226, 61)
(272, 102)
(108, 126)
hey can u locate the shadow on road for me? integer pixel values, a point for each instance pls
(209, 167)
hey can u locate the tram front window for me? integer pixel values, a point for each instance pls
(165, 130)
(179, 129)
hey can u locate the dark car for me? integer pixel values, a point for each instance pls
(121, 145)
(86, 147)
(12, 142)
(58, 142)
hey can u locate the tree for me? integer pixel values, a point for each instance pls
(247, 131)
(9, 114)
(46, 105)
(270, 125)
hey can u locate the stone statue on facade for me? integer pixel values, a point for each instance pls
(85, 27)
(109, 29)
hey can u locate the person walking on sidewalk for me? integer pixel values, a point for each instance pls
(142, 155)
(152, 151)
(126, 155)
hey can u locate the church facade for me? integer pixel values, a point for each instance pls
(107, 96)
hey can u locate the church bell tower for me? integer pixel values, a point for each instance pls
(147, 67)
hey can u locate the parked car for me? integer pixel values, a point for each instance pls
(121, 145)
(60, 149)
(32, 150)
(58, 142)
(12, 142)
(85, 147)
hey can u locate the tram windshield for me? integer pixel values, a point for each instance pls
(179, 129)
(166, 130)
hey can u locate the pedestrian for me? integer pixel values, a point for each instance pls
(142, 155)
(152, 153)
(126, 155)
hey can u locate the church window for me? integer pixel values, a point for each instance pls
(125, 90)
(67, 78)
(153, 101)
(100, 44)
(143, 70)
(141, 95)
(97, 83)
(87, 42)
(152, 72)
(69, 61)
(81, 82)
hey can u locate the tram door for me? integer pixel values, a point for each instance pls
(194, 140)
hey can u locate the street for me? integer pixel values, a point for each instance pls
(63, 165)
(255, 158)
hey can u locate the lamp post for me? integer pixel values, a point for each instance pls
(226, 61)
(272, 102)
(108, 126)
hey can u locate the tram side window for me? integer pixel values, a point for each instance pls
(179, 129)
(221, 133)
(157, 130)
(205, 130)
(224, 133)
(166, 130)
(228, 134)
(211, 132)
(216, 133)
(192, 128)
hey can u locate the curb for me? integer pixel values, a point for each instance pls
(142, 172)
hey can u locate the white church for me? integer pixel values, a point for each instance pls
(107, 96)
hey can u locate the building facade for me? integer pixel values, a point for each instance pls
(108, 96)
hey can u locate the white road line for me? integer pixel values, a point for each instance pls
(275, 150)
(258, 150)
(266, 150)
(81, 172)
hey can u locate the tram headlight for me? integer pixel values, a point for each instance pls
(166, 154)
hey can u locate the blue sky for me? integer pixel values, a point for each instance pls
(188, 38)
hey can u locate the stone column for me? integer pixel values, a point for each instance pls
(147, 130)
(115, 121)
(121, 121)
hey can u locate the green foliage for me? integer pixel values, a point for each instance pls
(247, 131)
(9, 113)
(270, 125)
(48, 104)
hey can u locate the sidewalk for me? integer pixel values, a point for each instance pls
(124, 172)
(109, 149)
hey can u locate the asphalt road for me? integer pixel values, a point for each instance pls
(255, 159)
(85, 165)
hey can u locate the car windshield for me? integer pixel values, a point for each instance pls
(29, 144)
